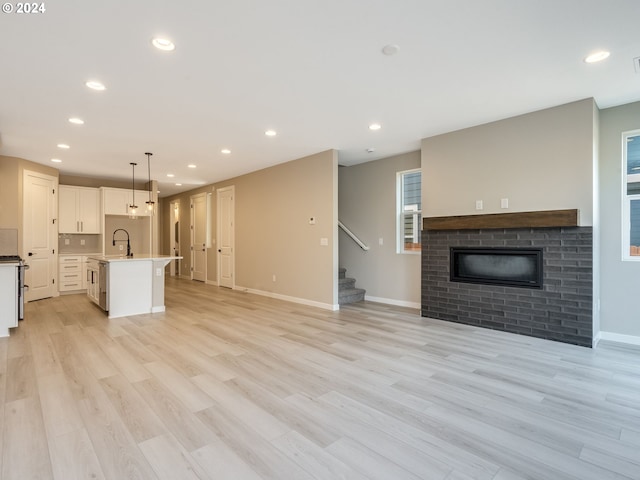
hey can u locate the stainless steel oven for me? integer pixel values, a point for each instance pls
(22, 288)
(18, 286)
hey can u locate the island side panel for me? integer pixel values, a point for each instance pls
(130, 290)
(157, 304)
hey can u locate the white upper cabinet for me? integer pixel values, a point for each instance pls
(117, 201)
(79, 210)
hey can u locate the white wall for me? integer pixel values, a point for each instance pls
(539, 161)
(367, 206)
(619, 281)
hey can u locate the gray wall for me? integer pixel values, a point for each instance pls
(619, 281)
(272, 231)
(539, 161)
(367, 206)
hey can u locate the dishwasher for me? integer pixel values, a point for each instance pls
(97, 283)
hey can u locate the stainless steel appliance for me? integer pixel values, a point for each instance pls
(21, 267)
(103, 282)
(97, 282)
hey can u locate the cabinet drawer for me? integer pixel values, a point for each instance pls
(70, 277)
(70, 281)
(64, 259)
(68, 268)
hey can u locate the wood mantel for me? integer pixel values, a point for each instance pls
(539, 219)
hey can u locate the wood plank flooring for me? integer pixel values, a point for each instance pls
(228, 385)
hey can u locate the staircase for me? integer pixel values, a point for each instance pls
(347, 292)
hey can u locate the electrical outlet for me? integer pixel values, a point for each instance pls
(82, 242)
(479, 205)
(121, 247)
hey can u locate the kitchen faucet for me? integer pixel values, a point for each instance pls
(129, 254)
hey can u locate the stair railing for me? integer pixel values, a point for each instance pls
(353, 236)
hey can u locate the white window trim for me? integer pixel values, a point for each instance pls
(401, 213)
(626, 201)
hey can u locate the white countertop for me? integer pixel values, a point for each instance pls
(135, 258)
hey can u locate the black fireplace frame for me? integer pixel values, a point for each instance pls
(536, 253)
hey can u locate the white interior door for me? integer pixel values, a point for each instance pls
(226, 260)
(40, 234)
(174, 237)
(199, 237)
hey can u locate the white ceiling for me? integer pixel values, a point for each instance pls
(311, 69)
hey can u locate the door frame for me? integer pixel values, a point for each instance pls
(219, 191)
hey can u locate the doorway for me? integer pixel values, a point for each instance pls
(199, 219)
(40, 234)
(174, 237)
(226, 236)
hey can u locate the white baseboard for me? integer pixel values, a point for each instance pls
(158, 309)
(287, 298)
(391, 301)
(212, 282)
(616, 338)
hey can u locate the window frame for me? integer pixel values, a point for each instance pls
(401, 214)
(627, 199)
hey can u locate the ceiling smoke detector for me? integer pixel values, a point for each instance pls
(390, 49)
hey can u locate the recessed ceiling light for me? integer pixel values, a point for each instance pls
(270, 133)
(56, 160)
(597, 56)
(94, 85)
(76, 121)
(163, 44)
(178, 184)
(64, 146)
(390, 49)
(191, 165)
(226, 151)
(170, 175)
(371, 150)
(375, 126)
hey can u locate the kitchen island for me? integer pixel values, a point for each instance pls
(126, 286)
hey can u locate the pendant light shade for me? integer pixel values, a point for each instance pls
(133, 208)
(150, 203)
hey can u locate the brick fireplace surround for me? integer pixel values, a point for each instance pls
(560, 311)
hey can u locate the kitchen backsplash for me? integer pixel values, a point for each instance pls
(8, 241)
(78, 243)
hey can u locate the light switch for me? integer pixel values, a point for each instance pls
(158, 272)
(66, 241)
(504, 203)
(324, 241)
(381, 241)
(479, 205)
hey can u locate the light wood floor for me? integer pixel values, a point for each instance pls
(227, 385)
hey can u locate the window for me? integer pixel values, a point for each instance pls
(409, 214)
(631, 196)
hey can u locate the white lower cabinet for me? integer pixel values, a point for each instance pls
(72, 272)
(69, 272)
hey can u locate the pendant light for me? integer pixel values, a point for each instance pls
(149, 202)
(133, 208)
